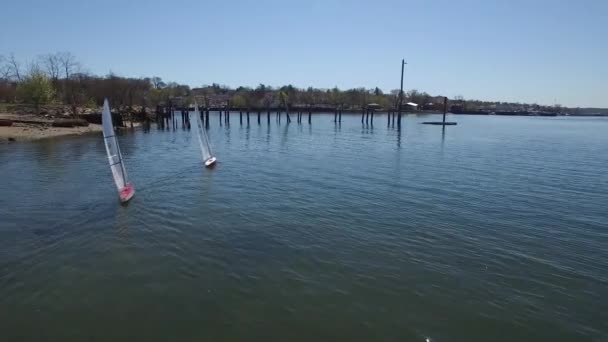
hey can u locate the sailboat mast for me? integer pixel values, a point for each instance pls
(208, 145)
(122, 166)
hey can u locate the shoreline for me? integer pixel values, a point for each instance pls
(26, 127)
(20, 132)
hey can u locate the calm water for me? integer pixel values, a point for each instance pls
(495, 231)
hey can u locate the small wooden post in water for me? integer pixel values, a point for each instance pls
(309, 116)
(241, 116)
(259, 113)
(445, 109)
(362, 114)
(286, 110)
(336, 114)
(372, 120)
(268, 115)
(340, 114)
(247, 116)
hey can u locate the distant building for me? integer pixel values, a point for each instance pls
(410, 106)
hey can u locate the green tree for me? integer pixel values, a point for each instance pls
(238, 101)
(36, 88)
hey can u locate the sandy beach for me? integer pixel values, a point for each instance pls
(25, 132)
(29, 128)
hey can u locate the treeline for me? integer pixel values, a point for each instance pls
(59, 78)
(264, 96)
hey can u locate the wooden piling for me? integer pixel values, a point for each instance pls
(309, 116)
(336, 114)
(248, 117)
(372, 116)
(259, 113)
(445, 108)
(241, 116)
(287, 112)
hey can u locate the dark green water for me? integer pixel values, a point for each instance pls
(495, 231)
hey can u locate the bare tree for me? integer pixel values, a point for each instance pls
(14, 68)
(78, 90)
(52, 65)
(4, 69)
(69, 66)
(68, 63)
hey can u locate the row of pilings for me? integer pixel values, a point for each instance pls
(168, 117)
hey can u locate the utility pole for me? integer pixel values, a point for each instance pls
(403, 63)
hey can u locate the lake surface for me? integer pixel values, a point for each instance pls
(495, 230)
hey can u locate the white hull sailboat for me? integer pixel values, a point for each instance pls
(125, 189)
(203, 140)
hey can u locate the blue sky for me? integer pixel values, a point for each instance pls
(530, 51)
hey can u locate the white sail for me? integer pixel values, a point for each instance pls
(202, 135)
(114, 157)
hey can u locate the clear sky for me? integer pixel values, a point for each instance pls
(511, 50)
